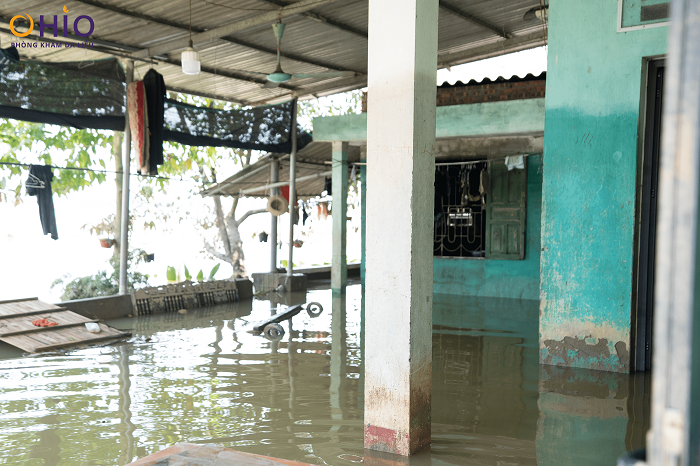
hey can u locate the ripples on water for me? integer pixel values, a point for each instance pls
(201, 378)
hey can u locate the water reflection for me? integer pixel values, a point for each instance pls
(202, 378)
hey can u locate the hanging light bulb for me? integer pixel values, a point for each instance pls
(190, 61)
(190, 57)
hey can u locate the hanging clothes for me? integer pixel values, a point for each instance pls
(138, 123)
(154, 87)
(515, 161)
(42, 174)
(305, 214)
(328, 185)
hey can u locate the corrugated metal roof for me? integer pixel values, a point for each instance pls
(314, 159)
(513, 79)
(309, 45)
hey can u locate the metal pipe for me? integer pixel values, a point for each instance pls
(124, 237)
(292, 187)
(274, 177)
(284, 183)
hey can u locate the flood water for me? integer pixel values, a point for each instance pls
(202, 378)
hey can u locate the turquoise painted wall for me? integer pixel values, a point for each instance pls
(500, 278)
(594, 84)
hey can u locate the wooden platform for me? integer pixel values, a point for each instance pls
(16, 327)
(188, 454)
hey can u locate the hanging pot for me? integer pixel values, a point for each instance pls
(107, 242)
(263, 237)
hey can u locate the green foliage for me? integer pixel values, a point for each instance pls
(53, 145)
(102, 284)
(213, 271)
(200, 276)
(171, 274)
(187, 274)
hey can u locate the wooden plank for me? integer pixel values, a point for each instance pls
(9, 324)
(18, 300)
(82, 342)
(40, 329)
(33, 313)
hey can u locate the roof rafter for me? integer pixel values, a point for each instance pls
(322, 19)
(230, 28)
(229, 39)
(473, 19)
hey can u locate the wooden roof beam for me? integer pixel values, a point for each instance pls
(473, 19)
(322, 19)
(228, 29)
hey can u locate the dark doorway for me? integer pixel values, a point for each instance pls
(647, 217)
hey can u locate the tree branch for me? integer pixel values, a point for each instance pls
(249, 213)
(210, 249)
(232, 213)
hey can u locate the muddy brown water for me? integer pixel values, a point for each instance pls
(201, 378)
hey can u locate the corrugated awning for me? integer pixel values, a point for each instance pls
(313, 165)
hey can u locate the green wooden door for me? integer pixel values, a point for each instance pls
(505, 212)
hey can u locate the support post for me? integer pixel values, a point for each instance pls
(339, 264)
(675, 425)
(363, 213)
(124, 237)
(402, 72)
(274, 178)
(292, 187)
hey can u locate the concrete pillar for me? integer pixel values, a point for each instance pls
(338, 359)
(124, 227)
(339, 265)
(399, 290)
(363, 211)
(274, 178)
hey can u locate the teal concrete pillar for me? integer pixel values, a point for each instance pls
(339, 266)
(363, 212)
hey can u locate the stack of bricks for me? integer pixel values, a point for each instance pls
(487, 91)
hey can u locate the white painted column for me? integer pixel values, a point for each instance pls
(292, 188)
(399, 276)
(124, 236)
(339, 264)
(274, 178)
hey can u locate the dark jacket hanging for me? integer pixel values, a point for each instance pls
(154, 88)
(44, 197)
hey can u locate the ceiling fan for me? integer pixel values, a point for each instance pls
(278, 76)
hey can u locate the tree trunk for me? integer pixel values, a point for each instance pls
(117, 151)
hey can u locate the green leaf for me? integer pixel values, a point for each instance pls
(171, 274)
(213, 271)
(187, 274)
(200, 276)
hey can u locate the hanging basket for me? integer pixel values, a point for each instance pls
(107, 242)
(263, 237)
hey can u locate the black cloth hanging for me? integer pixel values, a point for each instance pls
(305, 214)
(154, 88)
(44, 196)
(328, 185)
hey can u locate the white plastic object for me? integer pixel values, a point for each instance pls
(92, 327)
(190, 61)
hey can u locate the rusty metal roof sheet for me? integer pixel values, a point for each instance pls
(326, 37)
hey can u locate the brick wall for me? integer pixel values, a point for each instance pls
(461, 94)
